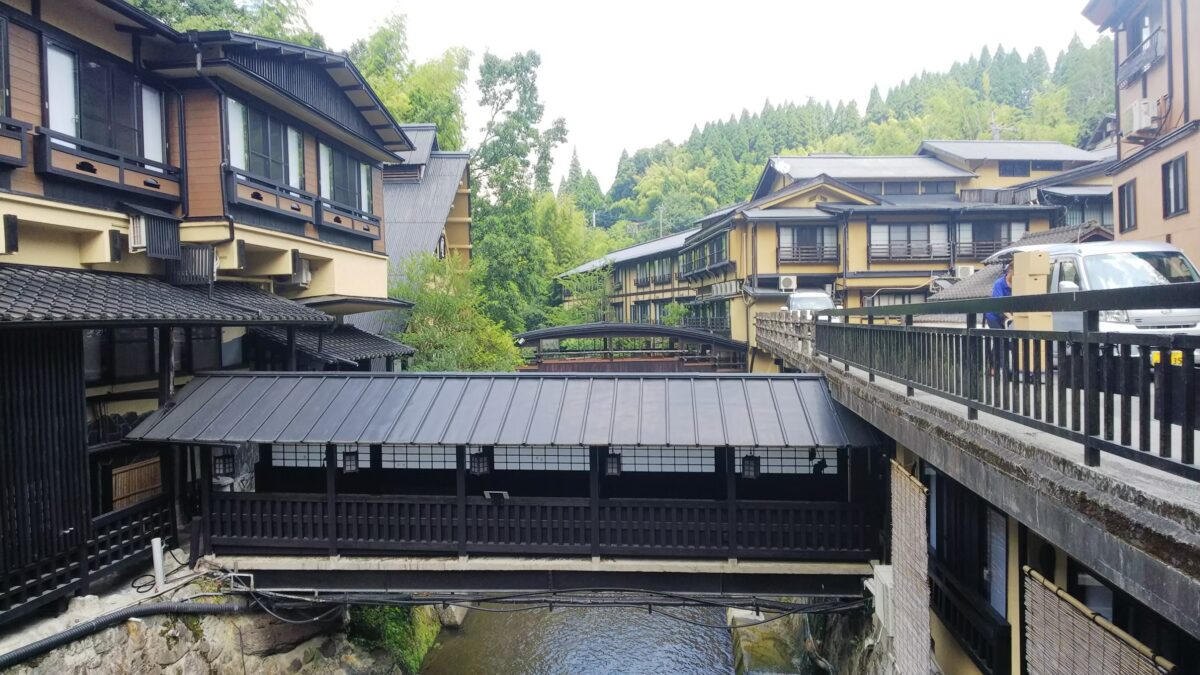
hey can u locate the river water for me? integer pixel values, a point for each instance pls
(583, 642)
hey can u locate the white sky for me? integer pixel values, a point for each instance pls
(627, 74)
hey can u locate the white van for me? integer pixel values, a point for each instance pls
(1117, 264)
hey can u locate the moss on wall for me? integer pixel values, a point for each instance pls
(405, 633)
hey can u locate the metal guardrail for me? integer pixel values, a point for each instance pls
(1128, 394)
(1141, 58)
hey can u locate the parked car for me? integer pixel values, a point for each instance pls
(1110, 265)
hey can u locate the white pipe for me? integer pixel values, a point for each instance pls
(156, 548)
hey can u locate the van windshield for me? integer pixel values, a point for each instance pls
(1144, 268)
(798, 302)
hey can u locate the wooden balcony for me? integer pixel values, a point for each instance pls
(909, 252)
(1142, 58)
(978, 250)
(13, 151)
(807, 253)
(248, 190)
(349, 219)
(979, 629)
(64, 156)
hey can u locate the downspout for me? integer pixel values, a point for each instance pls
(224, 146)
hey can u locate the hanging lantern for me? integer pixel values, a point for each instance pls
(481, 463)
(612, 464)
(350, 461)
(750, 466)
(224, 465)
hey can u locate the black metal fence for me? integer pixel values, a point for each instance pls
(1131, 394)
(414, 524)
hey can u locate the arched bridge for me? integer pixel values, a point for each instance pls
(611, 329)
(633, 347)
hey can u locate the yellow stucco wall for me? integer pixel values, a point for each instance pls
(949, 656)
(1184, 229)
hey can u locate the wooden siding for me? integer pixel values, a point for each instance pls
(310, 164)
(137, 482)
(173, 145)
(308, 83)
(204, 152)
(25, 87)
(377, 193)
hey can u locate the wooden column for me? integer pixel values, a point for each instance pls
(205, 500)
(166, 364)
(594, 494)
(460, 490)
(330, 492)
(291, 348)
(731, 498)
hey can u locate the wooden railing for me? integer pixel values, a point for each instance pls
(979, 629)
(901, 252)
(544, 525)
(809, 253)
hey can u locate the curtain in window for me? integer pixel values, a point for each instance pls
(60, 80)
(153, 122)
(235, 114)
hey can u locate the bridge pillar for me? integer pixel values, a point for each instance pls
(731, 498)
(331, 496)
(460, 491)
(597, 453)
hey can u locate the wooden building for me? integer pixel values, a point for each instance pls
(171, 203)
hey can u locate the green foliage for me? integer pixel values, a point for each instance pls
(447, 327)
(405, 633)
(588, 299)
(425, 92)
(673, 313)
(279, 19)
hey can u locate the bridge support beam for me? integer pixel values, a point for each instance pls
(460, 491)
(731, 498)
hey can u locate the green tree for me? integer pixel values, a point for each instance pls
(585, 298)
(279, 19)
(673, 313)
(446, 326)
(426, 92)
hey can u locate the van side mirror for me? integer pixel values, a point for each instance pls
(1068, 287)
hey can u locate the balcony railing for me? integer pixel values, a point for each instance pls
(64, 156)
(262, 193)
(808, 253)
(1130, 394)
(980, 630)
(712, 262)
(902, 252)
(664, 278)
(641, 282)
(978, 250)
(12, 142)
(1142, 58)
(349, 219)
(618, 285)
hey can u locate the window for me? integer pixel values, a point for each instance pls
(531, 458)
(910, 241)
(890, 299)
(1127, 216)
(1175, 188)
(205, 345)
(134, 352)
(1047, 165)
(298, 454)
(1142, 26)
(807, 243)
(900, 187)
(344, 179)
(418, 457)
(264, 146)
(636, 459)
(103, 104)
(1014, 168)
(938, 187)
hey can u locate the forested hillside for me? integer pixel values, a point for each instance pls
(995, 94)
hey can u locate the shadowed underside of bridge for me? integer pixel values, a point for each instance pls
(366, 481)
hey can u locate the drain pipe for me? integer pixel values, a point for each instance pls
(82, 630)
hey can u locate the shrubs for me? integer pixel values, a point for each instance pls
(405, 633)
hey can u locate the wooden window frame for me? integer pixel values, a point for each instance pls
(1174, 172)
(1127, 213)
(1006, 168)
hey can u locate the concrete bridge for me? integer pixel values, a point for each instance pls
(1048, 459)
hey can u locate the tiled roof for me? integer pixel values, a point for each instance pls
(344, 344)
(680, 410)
(55, 296)
(665, 244)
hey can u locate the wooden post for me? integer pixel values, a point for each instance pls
(206, 499)
(291, 348)
(594, 494)
(731, 499)
(166, 364)
(1091, 389)
(460, 487)
(330, 492)
(972, 365)
(910, 354)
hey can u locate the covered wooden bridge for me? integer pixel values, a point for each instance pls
(669, 466)
(609, 346)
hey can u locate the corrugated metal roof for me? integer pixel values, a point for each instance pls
(666, 244)
(978, 151)
(850, 167)
(1081, 190)
(424, 140)
(416, 213)
(53, 295)
(503, 409)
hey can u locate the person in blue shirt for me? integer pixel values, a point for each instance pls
(1001, 289)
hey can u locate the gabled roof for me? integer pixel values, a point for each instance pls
(677, 410)
(855, 167)
(803, 186)
(424, 141)
(344, 345)
(654, 247)
(32, 295)
(978, 151)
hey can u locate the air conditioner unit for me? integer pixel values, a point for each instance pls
(787, 283)
(137, 233)
(1138, 118)
(963, 271)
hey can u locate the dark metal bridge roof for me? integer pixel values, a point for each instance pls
(507, 409)
(619, 329)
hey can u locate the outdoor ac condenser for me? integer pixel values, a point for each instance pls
(787, 283)
(1138, 118)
